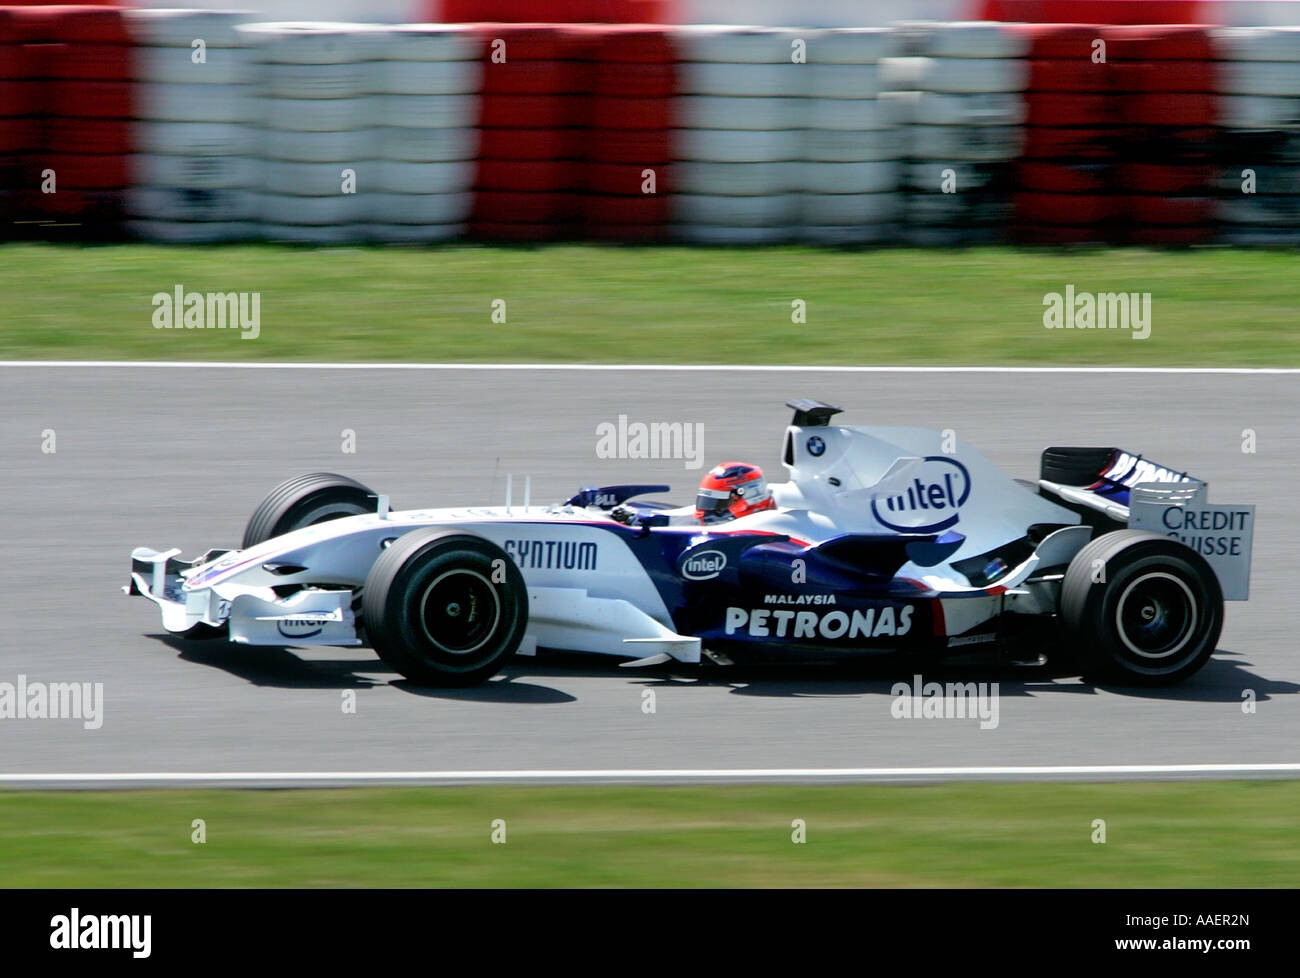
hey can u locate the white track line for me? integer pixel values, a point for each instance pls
(655, 367)
(1103, 771)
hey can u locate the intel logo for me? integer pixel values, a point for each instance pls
(932, 500)
(704, 565)
(299, 627)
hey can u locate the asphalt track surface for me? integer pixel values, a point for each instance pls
(180, 456)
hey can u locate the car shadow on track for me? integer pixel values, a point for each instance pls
(282, 666)
(271, 665)
(1225, 679)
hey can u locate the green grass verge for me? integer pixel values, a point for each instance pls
(592, 303)
(1217, 834)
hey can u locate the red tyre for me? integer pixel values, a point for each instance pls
(525, 144)
(1069, 111)
(648, 147)
(509, 207)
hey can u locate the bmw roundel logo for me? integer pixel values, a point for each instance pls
(816, 445)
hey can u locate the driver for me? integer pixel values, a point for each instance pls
(727, 491)
(731, 490)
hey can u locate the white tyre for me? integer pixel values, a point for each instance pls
(1277, 179)
(976, 75)
(1257, 43)
(834, 210)
(413, 233)
(175, 66)
(955, 75)
(739, 179)
(320, 81)
(195, 138)
(196, 103)
(1260, 78)
(432, 42)
(934, 176)
(319, 114)
(841, 81)
(852, 46)
(430, 77)
(849, 114)
(736, 145)
(321, 179)
(749, 80)
(315, 43)
(904, 74)
(948, 210)
(320, 234)
(425, 178)
(920, 236)
(428, 145)
(983, 109)
(900, 108)
(1258, 112)
(1249, 237)
(975, 39)
(427, 111)
(1263, 210)
(977, 144)
(710, 234)
(755, 114)
(779, 210)
(849, 178)
(843, 146)
(192, 232)
(320, 147)
(289, 209)
(421, 208)
(737, 45)
(846, 236)
(169, 204)
(180, 28)
(193, 172)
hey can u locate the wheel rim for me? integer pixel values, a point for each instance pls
(459, 611)
(1156, 615)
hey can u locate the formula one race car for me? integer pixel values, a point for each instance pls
(883, 540)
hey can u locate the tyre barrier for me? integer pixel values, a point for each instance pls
(196, 165)
(536, 108)
(195, 125)
(957, 96)
(1256, 175)
(737, 142)
(634, 77)
(65, 110)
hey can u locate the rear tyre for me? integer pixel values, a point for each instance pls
(444, 608)
(1152, 619)
(305, 501)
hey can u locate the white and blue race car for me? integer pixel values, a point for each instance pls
(883, 540)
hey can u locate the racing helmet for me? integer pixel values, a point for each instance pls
(730, 490)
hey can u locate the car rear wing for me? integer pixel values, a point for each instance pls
(1145, 495)
(1102, 478)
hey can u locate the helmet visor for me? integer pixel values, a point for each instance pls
(712, 500)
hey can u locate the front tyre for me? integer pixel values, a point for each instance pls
(1141, 608)
(305, 501)
(444, 608)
